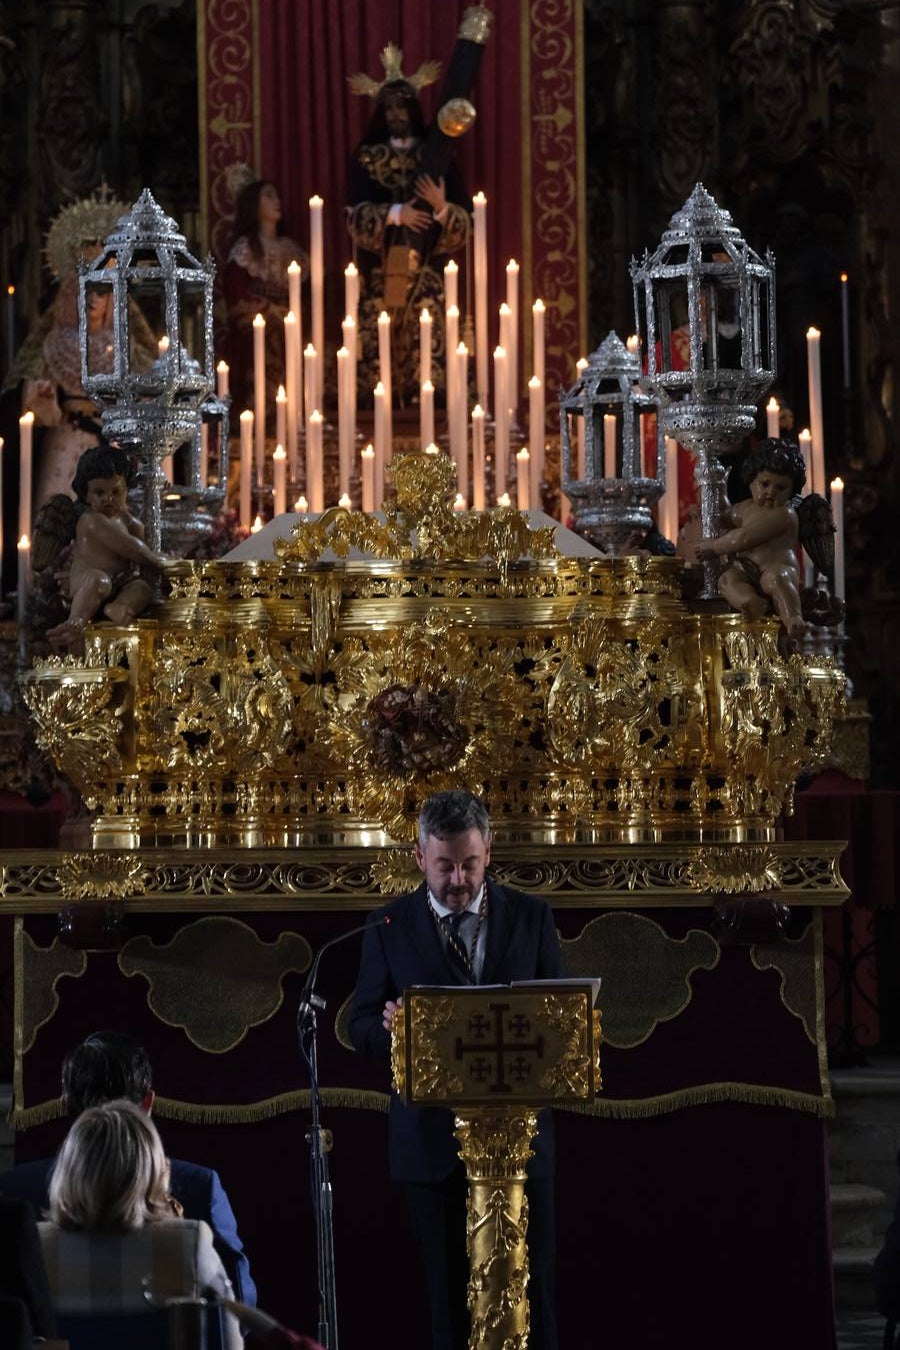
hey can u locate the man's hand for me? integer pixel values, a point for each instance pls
(413, 217)
(432, 192)
(390, 1008)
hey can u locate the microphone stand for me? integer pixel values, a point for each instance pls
(320, 1143)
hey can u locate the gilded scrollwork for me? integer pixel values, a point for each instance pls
(430, 1074)
(78, 720)
(571, 1070)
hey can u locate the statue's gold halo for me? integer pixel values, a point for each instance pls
(456, 116)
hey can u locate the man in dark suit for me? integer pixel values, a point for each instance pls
(26, 1305)
(104, 1067)
(457, 928)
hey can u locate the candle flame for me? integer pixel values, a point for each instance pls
(222, 367)
(837, 484)
(369, 452)
(27, 419)
(479, 199)
(281, 396)
(522, 455)
(290, 317)
(280, 453)
(424, 315)
(344, 502)
(294, 267)
(452, 266)
(350, 270)
(505, 309)
(844, 278)
(427, 387)
(534, 382)
(538, 307)
(24, 543)
(247, 417)
(10, 290)
(256, 526)
(259, 322)
(301, 506)
(478, 411)
(504, 500)
(813, 334)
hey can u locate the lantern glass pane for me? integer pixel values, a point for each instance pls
(98, 309)
(192, 321)
(671, 314)
(147, 297)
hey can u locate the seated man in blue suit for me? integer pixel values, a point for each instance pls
(104, 1067)
(459, 927)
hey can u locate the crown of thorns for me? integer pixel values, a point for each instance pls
(392, 60)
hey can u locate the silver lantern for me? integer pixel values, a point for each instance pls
(705, 280)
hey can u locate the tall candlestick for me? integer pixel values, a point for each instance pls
(351, 291)
(317, 289)
(451, 284)
(845, 327)
(461, 438)
(501, 423)
(310, 378)
(837, 511)
(512, 300)
(279, 480)
(538, 318)
(281, 416)
(24, 572)
(482, 346)
(384, 372)
(451, 341)
(535, 438)
(814, 370)
(315, 484)
(26, 433)
(222, 374)
(581, 366)
(426, 414)
(204, 455)
(246, 421)
(368, 478)
(294, 275)
(425, 338)
(523, 487)
(381, 443)
(259, 396)
(609, 446)
(292, 388)
(809, 571)
(773, 411)
(478, 492)
(668, 503)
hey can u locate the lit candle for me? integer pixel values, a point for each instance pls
(381, 446)
(310, 377)
(451, 340)
(317, 289)
(459, 433)
(281, 416)
(633, 344)
(581, 366)
(301, 506)
(772, 414)
(279, 474)
(512, 301)
(845, 327)
(257, 525)
(246, 421)
(814, 370)
(503, 499)
(10, 325)
(351, 291)
(348, 333)
(315, 484)
(451, 284)
(384, 373)
(535, 438)
(425, 327)
(344, 502)
(459, 503)
(642, 449)
(294, 275)
(478, 491)
(523, 497)
(538, 317)
(222, 374)
(501, 422)
(426, 414)
(668, 505)
(259, 396)
(204, 455)
(482, 348)
(837, 510)
(368, 478)
(24, 571)
(163, 346)
(345, 421)
(505, 315)
(609, 446)
(26, 433)
(292, 386)
(806, 451)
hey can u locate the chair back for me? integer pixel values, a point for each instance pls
(151, 1330)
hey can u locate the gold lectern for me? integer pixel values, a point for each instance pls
(496, 1055)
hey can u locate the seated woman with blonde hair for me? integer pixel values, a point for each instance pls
(113, 1229)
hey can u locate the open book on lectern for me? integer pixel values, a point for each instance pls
(592, 980)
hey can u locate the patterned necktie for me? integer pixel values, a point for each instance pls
(457, 951)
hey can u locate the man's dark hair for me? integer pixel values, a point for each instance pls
(102, 461)
(454, 812)
(106, 1066)
(778, 456)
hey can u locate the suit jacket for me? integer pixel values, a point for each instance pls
(522, 944)
(197, 1189)
(23, 1279)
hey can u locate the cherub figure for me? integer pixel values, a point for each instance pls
(766, 531)
(109, 546)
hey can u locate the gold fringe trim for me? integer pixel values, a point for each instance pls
(244, 1113)
(704, 1095)
(25, 1117)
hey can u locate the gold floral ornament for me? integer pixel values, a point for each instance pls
(392, 60)
(101, 876)
(735, 871)
(396, 871)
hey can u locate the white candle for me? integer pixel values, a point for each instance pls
(346, 421)
(609, 446)
(633, 344)
(381, 445)
(222, 374)
(501, 423)
(301, 506)
(581, 366)
(204, 455)
(281, 416)
(426, 414)
(773, 410)
(351, 291)
(163, 346)
(310, 378)
(478, 458)
(482, 348)
(425, 336)
(535, 438)
(460, 449)
(523, 487)
(259, 396)
(814, 370)
(294, 274)
(292, 387)
(368, 478)
(668, 505)
(315, 484)
(451, 341)
(246, 421)
(24, 572)
(26, 433)
(344, 502)
(257, 525)
(459, 503)
(643, 456)
(845, 327)
(538, 316)
(512, 301)
(503, 499)
(317, 289)
(10, 325)
(837, 510)
(279, 474)
(806, 451)
(451, 284)
(384, 372)
(168, 468)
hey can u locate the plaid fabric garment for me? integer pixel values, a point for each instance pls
(105, 1272)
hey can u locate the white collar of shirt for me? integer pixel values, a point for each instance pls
(442, 911)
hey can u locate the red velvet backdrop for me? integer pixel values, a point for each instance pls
(274, 93)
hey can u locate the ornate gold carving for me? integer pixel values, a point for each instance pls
(570, 1072)
(431, 1075)
(77, 719)
(476, 24)
(396, 872)
(735, 871)
(101, 876)
(496, 1144)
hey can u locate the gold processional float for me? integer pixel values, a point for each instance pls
(264, 736)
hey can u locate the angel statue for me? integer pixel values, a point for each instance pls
(762, 571)
(95, 545)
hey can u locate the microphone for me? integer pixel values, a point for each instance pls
(309, 999)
